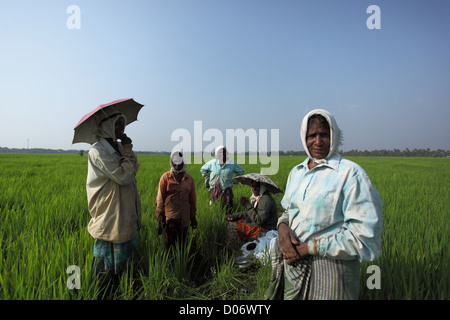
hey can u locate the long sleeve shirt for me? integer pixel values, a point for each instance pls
(263, 215)
(112, 194)
(222, 175)
(176, 200)
(336, 205)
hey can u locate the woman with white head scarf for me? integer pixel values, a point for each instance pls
(113, 199)
(332, 221)
(218, 174)
(176, 206)
(260, 215)
(312, 141)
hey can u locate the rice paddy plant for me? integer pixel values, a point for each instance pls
(414, 261)
(44, 217)
(182, 260)
(225, 281)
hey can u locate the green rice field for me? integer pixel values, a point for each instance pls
(44, 217)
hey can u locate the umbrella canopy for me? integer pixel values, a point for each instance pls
(256, 177)
(85, 129)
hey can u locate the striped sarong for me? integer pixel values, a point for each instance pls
(112, 257)
(313, 278)
(225, 196)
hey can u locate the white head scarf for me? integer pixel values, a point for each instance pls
(254, 199)
(177, 157)
(107, 126)
(335, 133)
(219, 153)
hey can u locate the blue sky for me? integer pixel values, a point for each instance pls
(250, 64)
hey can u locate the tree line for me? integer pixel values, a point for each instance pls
(351, 153)
(382, 153)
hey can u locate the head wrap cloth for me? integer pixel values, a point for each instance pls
(177, 157)
(335, 133)
(107, 125)
(219, 152)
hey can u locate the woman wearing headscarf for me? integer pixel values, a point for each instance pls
(218, 174)
(113, 199)
(261, 215)
(176, 206)
(332, 221)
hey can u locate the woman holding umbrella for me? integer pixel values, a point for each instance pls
(261, 213)
(113, 199)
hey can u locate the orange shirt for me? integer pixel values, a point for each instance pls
(176, 200)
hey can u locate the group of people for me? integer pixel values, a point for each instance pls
(176, 200)
(331, 222)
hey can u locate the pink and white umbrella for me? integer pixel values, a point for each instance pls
(86, 127)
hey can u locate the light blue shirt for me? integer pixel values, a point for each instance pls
(223, 175)
(335, 204)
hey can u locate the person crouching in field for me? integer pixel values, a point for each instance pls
(176, 206)
(261, 215)
(113, 200)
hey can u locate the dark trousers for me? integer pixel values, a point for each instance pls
(173, 232)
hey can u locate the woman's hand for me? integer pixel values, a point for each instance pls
(291, 249)
(125, 139)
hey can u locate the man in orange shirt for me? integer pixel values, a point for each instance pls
(176, 204)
